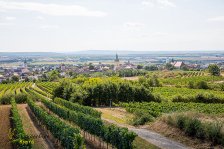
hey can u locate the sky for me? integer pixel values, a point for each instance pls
(133, 25)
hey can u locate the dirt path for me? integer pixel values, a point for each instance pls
(152, 137)
(41, 140)
(5, 126)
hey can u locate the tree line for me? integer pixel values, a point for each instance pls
(101, 92)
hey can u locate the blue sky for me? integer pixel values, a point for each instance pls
(144, 25)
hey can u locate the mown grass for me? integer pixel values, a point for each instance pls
(140, 143)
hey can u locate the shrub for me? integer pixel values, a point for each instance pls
(6, 99)
(192, 126)
(181, 120)
(215, 134)
(195, 128)
(191, 85)
(141, 117)
(202, 85)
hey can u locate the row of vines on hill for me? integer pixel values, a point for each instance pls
(89, 120)
(19, 137)
(69, 137)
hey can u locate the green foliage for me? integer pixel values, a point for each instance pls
(141, 117)
(184, 81)
(53, 75)
(77, 107)
(15, 79)
(214, 69)
(215, 133)
(169, 66)
(195, 128)
(99, 92)
(191, 84)
(150, 82)
(69, 137)
(199, 98)
(119, 137)
(151, 68)
(21, 98)
(130, 72)
(139, 66)
(6, 99)
(189, 95)
(19, 138)
(156, 109)
(202, 85)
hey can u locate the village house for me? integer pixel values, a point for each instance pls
(178, 65)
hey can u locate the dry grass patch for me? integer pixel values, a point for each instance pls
(119, 115)
(5, 126)
(161, 126)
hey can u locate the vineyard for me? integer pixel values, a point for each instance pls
(156, 109)
(185, 80)
(177, 74)
(169, 93)
(62, 110)
(85, 119)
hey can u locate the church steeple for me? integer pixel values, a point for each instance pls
(117, 59)
(25, 63)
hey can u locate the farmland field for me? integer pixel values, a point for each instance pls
(54, 109)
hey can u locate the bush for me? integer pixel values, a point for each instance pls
(6, 99)
(202, 85)
(181, 120)
(215, 134)
(141, 117)
(191, 85)
(193, 127)
(208, 98)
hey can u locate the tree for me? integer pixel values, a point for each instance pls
(139, 66)
(15, 79)
(151, 68)
(184, 68)
(53, 75)
(214, 69)
(169, 66)
(91, 67)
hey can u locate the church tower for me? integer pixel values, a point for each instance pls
(116, 66)
(117, 59)
(25, 63)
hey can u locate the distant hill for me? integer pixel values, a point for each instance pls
(30, 54)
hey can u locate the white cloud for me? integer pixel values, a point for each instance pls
(47, 26)
(10, 18)
(217, 19)
(51, 9)
(158, 3)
